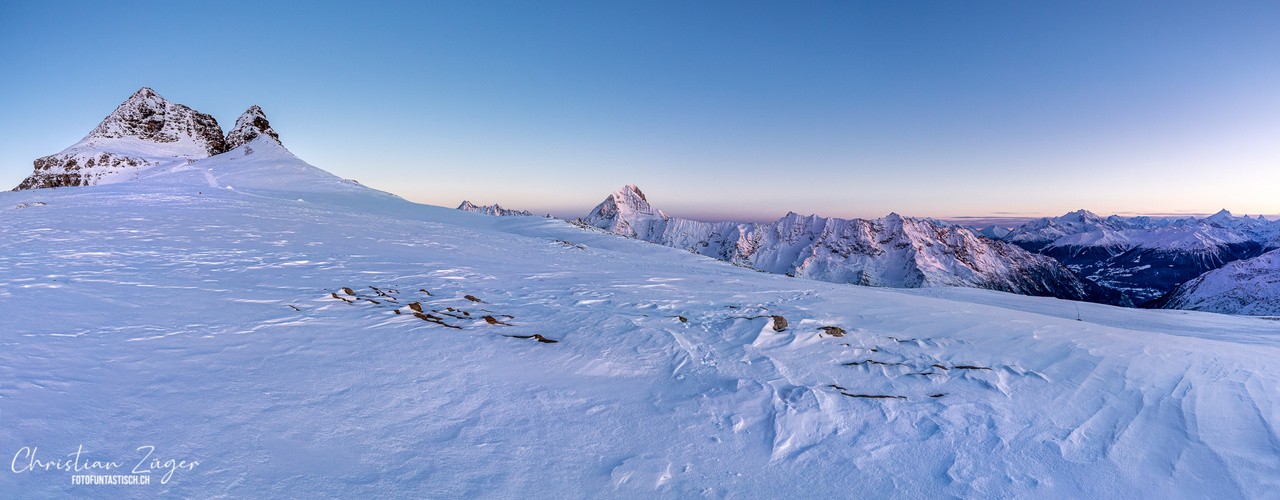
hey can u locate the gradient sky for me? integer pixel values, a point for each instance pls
(717, 110)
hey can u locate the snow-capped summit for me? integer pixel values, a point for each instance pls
(250, 124)
(1222, 216)
(143, 132)
(626, 212)
(147, 116)
(1040, 232)
(993, 231)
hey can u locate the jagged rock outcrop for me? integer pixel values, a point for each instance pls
(144, 131)
(251, 124)
(494, 209)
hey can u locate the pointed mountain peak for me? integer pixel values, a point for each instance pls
(625, 212)
(630, 192)
(630, 201)
(145, 93)
(1222, 214)
(250, 125)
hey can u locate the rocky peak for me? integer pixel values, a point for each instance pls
(1222, 216)
(147, 116)
(630, 201)
(625, 212)
(249, 126)
(1082, 216)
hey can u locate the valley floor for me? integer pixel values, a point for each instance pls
(209, 322)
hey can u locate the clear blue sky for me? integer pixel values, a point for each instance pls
(718, 110)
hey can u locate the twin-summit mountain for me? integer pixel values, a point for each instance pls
(144, 131)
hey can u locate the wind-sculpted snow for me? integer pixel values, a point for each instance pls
(1249, 286)
(894, 251)
(260, 317)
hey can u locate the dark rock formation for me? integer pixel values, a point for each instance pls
(249, 126)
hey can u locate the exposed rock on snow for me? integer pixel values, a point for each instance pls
(251, 124)
(144, 131)
(494, 209)
(149, 117)
(1249, 286)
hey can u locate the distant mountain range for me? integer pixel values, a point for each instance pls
(494, 209)
(1130, 261)
(1142, 257)
(893, 251)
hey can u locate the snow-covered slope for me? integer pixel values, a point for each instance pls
(1249, 286)
(143, 132)
(261, 317)
(894, 251)
(494, 209)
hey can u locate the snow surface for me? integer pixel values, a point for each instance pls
(194, 310)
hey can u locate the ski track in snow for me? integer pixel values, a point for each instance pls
(202, 323)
